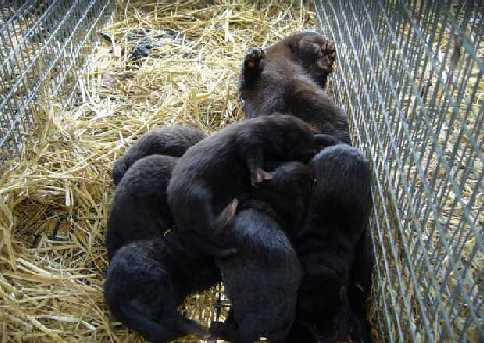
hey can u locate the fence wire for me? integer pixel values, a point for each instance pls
(43, 46)
(409, 75)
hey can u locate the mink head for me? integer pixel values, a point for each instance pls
(315, 53)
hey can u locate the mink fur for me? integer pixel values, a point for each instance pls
(222, 167)
(289, 77)
(148, 279)
(140, 210)
(171, 141)
(336, 222)
(263, 278)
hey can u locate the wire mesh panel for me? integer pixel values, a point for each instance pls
(409, 75)
(43, 45)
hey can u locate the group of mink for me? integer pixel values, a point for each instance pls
(275, 206)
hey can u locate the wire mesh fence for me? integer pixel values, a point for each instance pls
(44, 44)
(409, 74)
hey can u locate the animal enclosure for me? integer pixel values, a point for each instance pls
(44, 44)
(409, 74)
(74, 95)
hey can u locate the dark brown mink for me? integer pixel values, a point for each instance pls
(287, 193)
(289, 77)
(171, 141)
(336, 222)
(148, 279)
(262, 279)
(150, 273)
(140, 210)
(217, 170)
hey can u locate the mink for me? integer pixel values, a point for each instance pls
(151, 271)
(139, 210)
(263, 278)
(148, 279)
(217, 170)
(289, 77)
(171, 141)
(336, 224)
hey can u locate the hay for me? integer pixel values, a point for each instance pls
(54, 200)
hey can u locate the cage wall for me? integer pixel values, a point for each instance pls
(409, 75)
(43, 46)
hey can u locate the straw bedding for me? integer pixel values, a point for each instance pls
(54, 200)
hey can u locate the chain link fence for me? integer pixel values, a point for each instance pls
(44, 44)
(409, 75)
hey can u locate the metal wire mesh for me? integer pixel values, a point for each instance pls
(409, 75)
(43, 45)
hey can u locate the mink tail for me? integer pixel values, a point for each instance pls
(165, 330)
